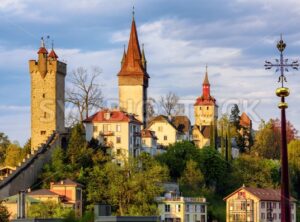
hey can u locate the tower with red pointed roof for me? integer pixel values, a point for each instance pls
(206, 115)
(133, 78)
(47, 95)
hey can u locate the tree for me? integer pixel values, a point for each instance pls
(27, 147)
(256, 172)
(294, 166)
(77, 144)
(177, 156)
(84, 94)
(267, 141)
(4, 143)
(13, 155)
(151, 103)
(170, 104)
(4, 214)
(192, 179)
(49, 209)
(131, 188)
(234, 116)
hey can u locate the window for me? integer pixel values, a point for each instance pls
(262, 216)
(95, 128)
(106, 115)
(144, 141)
(279, 216)
(118, 128)
(167, 208)
(105, 127)
(202, 209)
(292, 206)
(44, 95)
(262, 204)
(43, 132)
(165, 138)
(274, 216)
(187, 208)
(178, 208)
(118, 151)
(160, 128)
(274, 205)
(118, 139)
(207, 107)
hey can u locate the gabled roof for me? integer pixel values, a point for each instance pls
(266, 194)
(180, 123)
(204, 130)
(67, 182)
(42, 192)
(115, 116)
(14, 199)
(245, 120)
(145, 133)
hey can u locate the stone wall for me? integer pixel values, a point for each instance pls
(26, 174)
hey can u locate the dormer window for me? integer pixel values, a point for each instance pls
(107, 116)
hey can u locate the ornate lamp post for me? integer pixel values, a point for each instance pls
(282, 65)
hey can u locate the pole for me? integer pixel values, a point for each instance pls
(285, 194)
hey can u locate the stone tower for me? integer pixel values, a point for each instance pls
(133, 78)
(206, 115)
(47, 96)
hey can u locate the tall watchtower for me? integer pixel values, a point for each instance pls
(47, 95)
(133, 78)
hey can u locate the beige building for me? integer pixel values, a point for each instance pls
(66, 192)
(47, 96)
(116, 130)
(133, 78)
(149, 142)
(206, 116)
(170, 129)
(182, 209)
(255, 205)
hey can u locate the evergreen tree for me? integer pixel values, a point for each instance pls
(234, 116)
(229, 147)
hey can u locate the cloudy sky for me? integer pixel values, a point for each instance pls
(234, 37)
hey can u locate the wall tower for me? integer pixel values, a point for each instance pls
(133, 78)
(47, 96)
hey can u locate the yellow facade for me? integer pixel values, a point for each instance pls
(47, 98)
(132, 99)
(166, 133)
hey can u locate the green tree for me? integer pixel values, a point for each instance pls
(27, 147)
(49, 209)
(177, 155)
(4, 143)
(234, 116)
(255, 171)
(267, 143)
(192, 179)
(4, 214)
(294, 163)
(130, 188)
(13, 155)
(77, 144)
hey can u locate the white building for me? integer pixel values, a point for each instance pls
(182, 209)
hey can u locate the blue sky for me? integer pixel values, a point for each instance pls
(233, 37)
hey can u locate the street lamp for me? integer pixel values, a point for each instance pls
(282, 65)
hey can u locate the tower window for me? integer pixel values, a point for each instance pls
(118, 139)
(207, 107)
(44, 95)
(200, 108)
(43, 132)
(165, 138)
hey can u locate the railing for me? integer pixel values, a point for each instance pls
(182, 199)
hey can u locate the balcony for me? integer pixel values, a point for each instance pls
(182, 199)
(107, 133)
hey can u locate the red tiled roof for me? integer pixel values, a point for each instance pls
(262, 193)
(205, 101)
(132, 64)
(180, 123)
(245, 120)
(67, 182)
(42, 192)
(148, 134)
(115, 116)
(43, 50)
(52, 54)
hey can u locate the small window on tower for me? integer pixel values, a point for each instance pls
(44, 95)
(200, 107)
(43, 132)
(207, 107)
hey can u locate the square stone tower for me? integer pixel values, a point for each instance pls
(47, 96)
(133, 79)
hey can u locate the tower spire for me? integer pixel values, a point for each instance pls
(206, 85)
(52, 54)
(133, 12)
(206, 82)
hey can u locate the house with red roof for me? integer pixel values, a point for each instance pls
(118, 131)
(256, 205)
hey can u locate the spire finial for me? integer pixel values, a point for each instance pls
(206, 68)
(52, 44)
(42, 42)
(133, 12)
